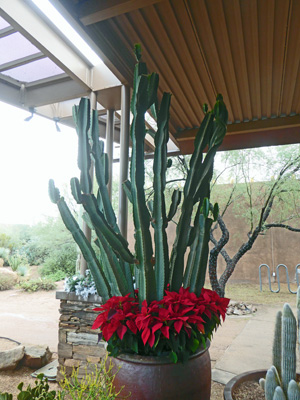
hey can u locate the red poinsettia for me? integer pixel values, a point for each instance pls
(160, 324)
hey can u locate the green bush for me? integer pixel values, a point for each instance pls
(56, 276)
(96, 385)
(35, 252)
(4, 253)
(36, 285)
(16, 260)
(62, 259)
(22, 270)
(7, 281)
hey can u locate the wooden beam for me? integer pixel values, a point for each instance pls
(250, 140)
(270, 132)
(96, 11)
(246, 127)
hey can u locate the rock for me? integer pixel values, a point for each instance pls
(36, 356)
(236, 308)
(11, 353)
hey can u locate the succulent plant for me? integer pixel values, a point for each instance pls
(280, 382)
(117, 268)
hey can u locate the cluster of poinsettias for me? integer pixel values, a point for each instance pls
(155, 328)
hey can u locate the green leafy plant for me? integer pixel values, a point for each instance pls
(16, 260)
(6, 396)
(97, 384)
(22, 270)
(4, 253)
(39, 392)
(37, 284)
(153, 271)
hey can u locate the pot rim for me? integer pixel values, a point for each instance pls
(156, 360)
(241, 378)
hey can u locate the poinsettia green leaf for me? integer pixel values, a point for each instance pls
(173, 357)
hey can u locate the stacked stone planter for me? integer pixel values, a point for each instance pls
(77, 343)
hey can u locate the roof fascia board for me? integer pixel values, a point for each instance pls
(36, 96)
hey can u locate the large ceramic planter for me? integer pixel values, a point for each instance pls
(149, 378)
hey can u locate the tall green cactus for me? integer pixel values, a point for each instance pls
(280, 379)
(117, 269)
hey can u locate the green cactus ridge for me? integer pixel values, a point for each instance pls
(150, 267)
(289, 340)
(293, 392)
(277, 343)
(271, 384)
(279, 394)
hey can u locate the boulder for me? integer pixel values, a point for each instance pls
(36, 356)
(11, 353)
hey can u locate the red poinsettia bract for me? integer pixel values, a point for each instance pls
(159, 319)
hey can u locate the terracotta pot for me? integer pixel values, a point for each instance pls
(149, 378)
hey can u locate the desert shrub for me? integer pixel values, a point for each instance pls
(16, 260)
(36, 285)
(56, 276)
(22, 270)
(35, 252)
(7, 281)
(4, 253)
(63, 258)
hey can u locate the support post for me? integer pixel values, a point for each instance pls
(85, 228)
(110, 128)
(124, 157)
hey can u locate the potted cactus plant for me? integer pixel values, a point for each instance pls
(280, 381)
(155, 310)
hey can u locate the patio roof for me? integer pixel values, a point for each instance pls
(248, 50)
(245, 49)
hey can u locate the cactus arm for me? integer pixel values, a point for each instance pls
(144, 92)
(127, 189)
(101, 172)
(279, 394)
(175, 201)
(293, 392)
(159, 207)
(117, 242)
(298, 315)
(289, 339)
(111, 263)
(198, 178)
(81, 115)
(277, 343)
(195, 272)
(84, 245)
(271, 384)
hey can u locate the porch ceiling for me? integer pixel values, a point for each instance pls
(248, 50)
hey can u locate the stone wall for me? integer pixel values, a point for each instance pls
(77, 342)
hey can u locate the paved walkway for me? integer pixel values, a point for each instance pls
(244, 344)
(241, 344)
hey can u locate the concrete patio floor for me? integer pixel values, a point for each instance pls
(241, 344)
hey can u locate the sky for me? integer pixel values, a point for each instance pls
(30, 154)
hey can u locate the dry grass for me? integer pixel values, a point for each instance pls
(251, 293)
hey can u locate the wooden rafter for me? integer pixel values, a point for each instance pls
(97, 11)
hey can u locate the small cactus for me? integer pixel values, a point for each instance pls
(280, 378)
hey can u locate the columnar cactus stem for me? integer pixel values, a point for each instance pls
(293, 392)
(279, 394)
(277, 343)
(271, 384)
(298, 315)
(289, 339)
